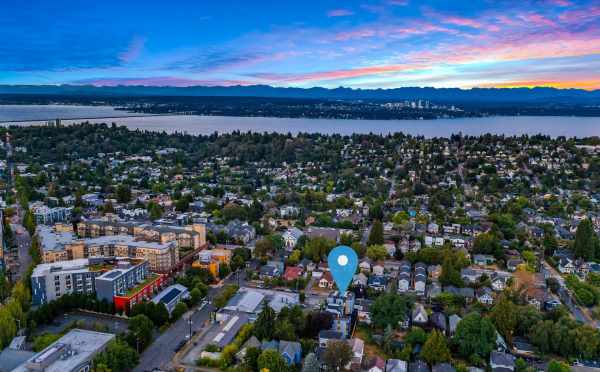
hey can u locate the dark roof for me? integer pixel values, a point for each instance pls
(174, 292)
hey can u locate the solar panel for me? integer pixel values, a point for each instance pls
(170, 296)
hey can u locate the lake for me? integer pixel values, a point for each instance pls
(507, 125)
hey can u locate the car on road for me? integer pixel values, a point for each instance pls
(180, 345)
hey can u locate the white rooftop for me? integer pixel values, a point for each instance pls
(85, 345)
(77, 265)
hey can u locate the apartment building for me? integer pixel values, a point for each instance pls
(58, 243)
(186, 237)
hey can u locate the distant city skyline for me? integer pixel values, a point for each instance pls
(357, 44)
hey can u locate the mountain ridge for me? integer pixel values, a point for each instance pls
(517, 95)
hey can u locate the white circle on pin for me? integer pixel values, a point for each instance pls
(342, 260)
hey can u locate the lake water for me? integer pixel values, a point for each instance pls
(507, 125)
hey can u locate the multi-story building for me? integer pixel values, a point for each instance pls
(128, 284)
(72, 352)
(191, 236)
(50, 281)
(60, 244)
(47, 216)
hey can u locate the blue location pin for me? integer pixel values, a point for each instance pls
(342, 264)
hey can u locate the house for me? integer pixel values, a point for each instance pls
(328, 335)
(418, 366)
(469, 275)
(419, 315)
(485, 296)
(365, 265)
(358, 351)
(434, 271)
(377, 282)
(326, 280)
(390, 247)
(483, 259)
(269, 272)
(291, 237)
(360, 280)
(292, 273)
(396, 365)
(377, 365)
(362, 307)
(291, 351)
(513, 264)
(453, 321)
(499, 282)
(438, 319)
(404, 278)
(500, 362)
(378, 268)
(566, 266)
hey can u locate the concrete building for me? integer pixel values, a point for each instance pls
(72, 352)
(171, 296)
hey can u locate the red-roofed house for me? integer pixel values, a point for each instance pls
(292, 273)
(326, 280)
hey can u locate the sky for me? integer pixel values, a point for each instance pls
(358, 44)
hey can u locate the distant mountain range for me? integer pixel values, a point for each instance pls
(455, 95)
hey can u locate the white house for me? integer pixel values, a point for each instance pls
(291, 237)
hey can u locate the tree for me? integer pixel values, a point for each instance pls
(389, 309)
(251, 358)
(117, 357)
(140, 329)
(377, 252)
(21, 293)
(29, 222)
(271, 360)
(316, 322)
(154, 210)
(123, 193)
(450, 273)
(585, 241)
(263, 327)
(475, 335)
(435, 350)
(311, 363)
(195, 295)
(376, 233)
(558, 366)
(337, 354)
(504, 315)
(180, 309)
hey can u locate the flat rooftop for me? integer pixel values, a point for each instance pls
(85, 344)
(72, 266)
(127, 240)
(52, 240)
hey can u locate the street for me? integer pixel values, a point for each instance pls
(161, 352)
(567, 298)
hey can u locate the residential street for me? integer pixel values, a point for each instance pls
(161, 352)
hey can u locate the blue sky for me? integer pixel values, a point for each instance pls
(360, 44)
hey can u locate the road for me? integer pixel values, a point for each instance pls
(161, 352)
(567, 298)
(23, 243)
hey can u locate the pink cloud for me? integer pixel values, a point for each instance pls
(133, 51)
(537, 20)
(161, 81)
(340, 13)
(580, 15)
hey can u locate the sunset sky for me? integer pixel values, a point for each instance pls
(359, 44)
